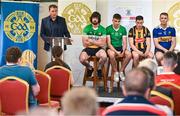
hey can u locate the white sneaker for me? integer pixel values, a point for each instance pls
(121, 74)
(116, 76)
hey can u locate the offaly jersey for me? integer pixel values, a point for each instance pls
(139, 37)
(116, 35)
(94, 34)
(164, 36)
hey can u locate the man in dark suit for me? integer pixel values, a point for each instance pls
(53, 26)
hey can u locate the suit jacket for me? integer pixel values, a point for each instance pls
(49, 28)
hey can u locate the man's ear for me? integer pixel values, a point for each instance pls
(147, 93)
(162, 62)
(124, 90)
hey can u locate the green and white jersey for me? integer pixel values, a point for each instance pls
(95, 34)
(116, 36)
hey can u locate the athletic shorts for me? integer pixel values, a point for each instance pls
(119, 49)
(91, 51)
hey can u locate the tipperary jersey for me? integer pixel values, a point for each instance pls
(139, 37)
(94, 34)
(116, 36)
(164, 36)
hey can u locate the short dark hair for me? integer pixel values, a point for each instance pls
(57, 51)
(13, 54)
(170, 59)
(52, 6)
(95, 15)
(164, 13)
(117, 16)
(139, 17)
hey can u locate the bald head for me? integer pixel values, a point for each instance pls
(136, 82)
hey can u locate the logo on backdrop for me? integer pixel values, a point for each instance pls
(174, 18)
(77, 16)
(19, 26)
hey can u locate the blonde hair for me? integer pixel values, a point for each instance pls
(149, 63)
(27, 58)
(80, 101)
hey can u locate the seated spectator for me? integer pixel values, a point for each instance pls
(12, 68)
(27, 59)
(56, 53)
(169, 63)
(136, 88)
(177, 69)
(80, 101)
(152, 65)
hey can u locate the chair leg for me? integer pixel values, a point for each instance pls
(84, 79)
(105, 78)
(95, 74)
(112, 80)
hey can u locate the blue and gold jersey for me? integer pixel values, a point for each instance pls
(164, 36)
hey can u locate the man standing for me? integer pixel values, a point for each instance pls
(94, 38)
(117, 46)
(53, 26)
(140, 41)
(164, 37)
(12, 68)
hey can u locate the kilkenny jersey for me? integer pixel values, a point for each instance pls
(164, 36)
(116, 35)
(94, 33)
(139, 37)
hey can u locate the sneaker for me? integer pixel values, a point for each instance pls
(116, 76)
(89, 72)
(121, 74)
(99, 73)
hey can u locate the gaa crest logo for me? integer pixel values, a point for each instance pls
(19, 26)
(77, 16)
(174, 18)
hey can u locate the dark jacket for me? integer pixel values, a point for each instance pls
(49, 28)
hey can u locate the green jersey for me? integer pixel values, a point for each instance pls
(116, 35)
(94, 33)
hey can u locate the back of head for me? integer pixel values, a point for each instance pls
(149, 63)
(80, 101)
(96, 15)
(136, 82)
(169, 59)
(57, 51)
(13, 54)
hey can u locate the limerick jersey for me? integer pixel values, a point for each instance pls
(139, 37)
(116, 36)
(164, 36)
(94, 33)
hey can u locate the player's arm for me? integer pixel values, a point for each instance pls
(86, 41)
(173, 43)
(101, 42)
(148, 42)
(131, 42)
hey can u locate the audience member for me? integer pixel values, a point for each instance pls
(80, 101)
(177, 69)
(12, 68)
(152, 65)
(169, 63)
(136, 88)
(56, 53)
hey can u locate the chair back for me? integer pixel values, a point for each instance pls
(60, 80)
(176, 94)
(161, 99)
(44, 81)
(133, 109)
(14, 94)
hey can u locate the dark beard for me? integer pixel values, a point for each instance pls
(94, 23)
